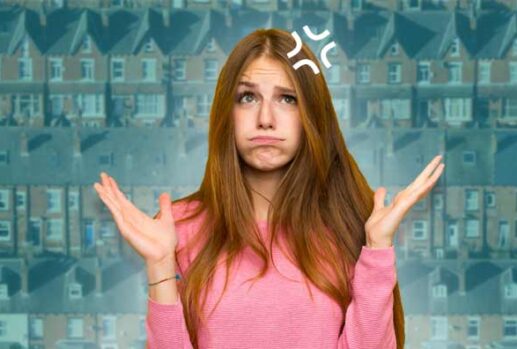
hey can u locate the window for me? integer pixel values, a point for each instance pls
(149, 45)
(439, 291)
(53, 200)
(394, 49)
(25, 68)
(458, 109)
(117, 69)
(211, 69)
(34, 233)
(357, 4)
(490, 199)
(203, 104)
(75, 327)
(439, 327)
(36, 327)
(21, 200)
(472, 228)
(455, 47)
(469, 157)
(180, 69)
(4, 157)
(88, 104)
(75, 290)
(510, 108)
(109, 327)
(56, 104)
(27, 104)
(504, 232)
(514, 47)
(455, 72)
(394, 72)
(395, 109)
(24, 47)
(510, 327)
(363, 73)
(473, 328)
(87, 69)
(149, 69)
(419, 230)
(210, 46)
(56, 69)
(510, 291)
(471, 200)
(87, 44)
(89, 233)
(484, 72)
(105, 159)
(107, 228)
(5, 230)
(149, 105)
(424, 72)
(438, 201)
(513, 72)
(55, 228)
(73, 200)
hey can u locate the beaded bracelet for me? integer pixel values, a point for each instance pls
(155, 283)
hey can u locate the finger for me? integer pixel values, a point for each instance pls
(422, 191)
(129, 232)
(165, 207)
(378, 198)
(124, 202)
(108, 190)
(425, 173)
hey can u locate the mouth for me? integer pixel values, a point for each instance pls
(266, 140)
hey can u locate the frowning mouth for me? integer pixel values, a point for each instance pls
(266, 139)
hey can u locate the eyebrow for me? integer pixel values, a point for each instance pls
(279, 88)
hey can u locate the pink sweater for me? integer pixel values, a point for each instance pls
(277, 312)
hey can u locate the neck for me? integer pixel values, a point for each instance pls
(266, 183)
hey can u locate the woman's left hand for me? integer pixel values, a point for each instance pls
(384, 220)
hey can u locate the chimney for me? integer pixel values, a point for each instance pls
(76, 143)
(462, 287)
(42, 15)
(350, 19)
(228, 17)
(24, 148)
(473, 11)
(493, 139)
(105, 18)
(98, 277)
(24, 275)
(166, 17)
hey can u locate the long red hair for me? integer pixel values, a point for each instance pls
(322, 190)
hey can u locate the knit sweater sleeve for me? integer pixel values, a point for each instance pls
(166, 326)
(369, 316)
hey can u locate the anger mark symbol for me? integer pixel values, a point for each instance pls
(315, 37)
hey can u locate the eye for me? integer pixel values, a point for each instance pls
(293, 98)
(244, 94)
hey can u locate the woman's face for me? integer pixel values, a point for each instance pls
(266, 105)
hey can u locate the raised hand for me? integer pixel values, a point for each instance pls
(384, 220)
(152, 238)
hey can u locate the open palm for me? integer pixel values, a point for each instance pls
(152, 238)
(384, 220)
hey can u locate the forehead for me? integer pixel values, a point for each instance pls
(267, 71)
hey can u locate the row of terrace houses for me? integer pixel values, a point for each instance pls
(48, 203)
(152, 67)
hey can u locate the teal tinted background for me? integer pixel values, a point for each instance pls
(126, 87)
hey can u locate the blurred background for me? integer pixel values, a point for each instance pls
(125, 87)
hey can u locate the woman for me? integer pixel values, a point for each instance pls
(299, 199)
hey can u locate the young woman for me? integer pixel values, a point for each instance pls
(280, 186)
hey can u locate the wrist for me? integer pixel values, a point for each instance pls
(378, 243)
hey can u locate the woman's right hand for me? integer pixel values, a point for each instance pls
(152, 238)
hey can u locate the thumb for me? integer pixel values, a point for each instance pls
(165, 207)
(378, 199)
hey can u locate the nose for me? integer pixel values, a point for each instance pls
(265, 117)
